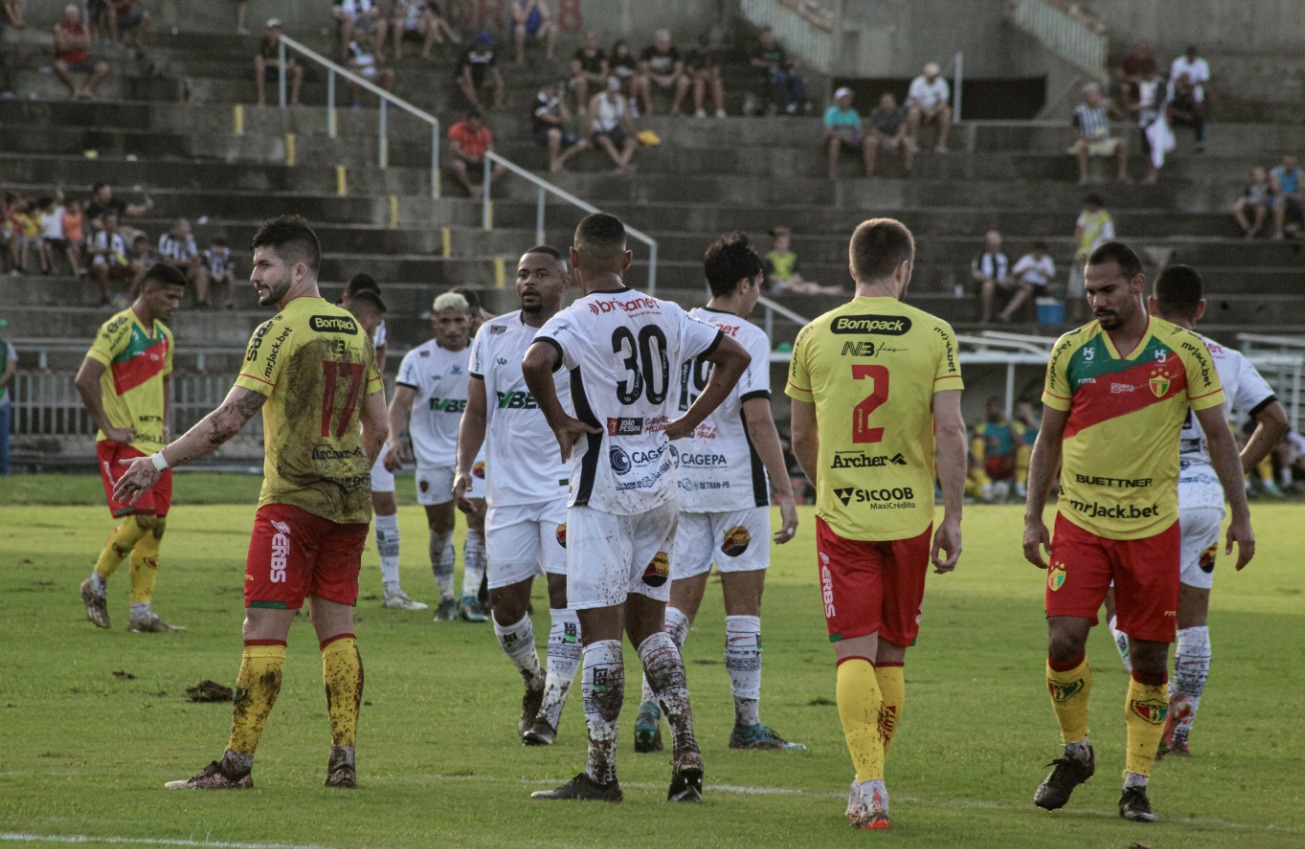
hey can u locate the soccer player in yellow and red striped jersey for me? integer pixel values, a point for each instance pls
(1117, 393)
(126, 385)
(876, 389)
(312, 372)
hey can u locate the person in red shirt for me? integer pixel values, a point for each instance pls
(127, 16)
(72, 54)
(471, 141)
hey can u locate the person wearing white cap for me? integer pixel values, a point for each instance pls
(267, 65)
(928, 101)
(843, 129)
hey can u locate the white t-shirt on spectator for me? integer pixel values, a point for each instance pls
(1040, 272)
(929, 94)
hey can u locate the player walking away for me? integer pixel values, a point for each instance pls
(1177, 299)
(312, 371)
(430, 396)
(726, 471)
(622, 349)
(126, 385)
(872, 382)
(1116, 396)
(525, 489)
(384, 507)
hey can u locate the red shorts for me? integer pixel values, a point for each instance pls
(154, 501)
(872, 587)
(294, 554)
(1145, 572)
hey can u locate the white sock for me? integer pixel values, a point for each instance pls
(1191, 669)
(141, 610)
(473, 562)
(518, 642)
(677, 625)
(387, 546)
(664, 669)
(603, 686)
(98, 582)
(564, 654)
(1134, 779)
(1079, 749)
(1121, 644)
(441, 563)
(743, 663)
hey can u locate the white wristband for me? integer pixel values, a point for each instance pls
(160, 462)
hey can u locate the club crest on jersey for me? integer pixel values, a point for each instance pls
(478, 470)
(1207, 558)
(1160, 385)
(496, 329)
(736, 541)
(1056, 576)
(659, 569)
(1153, 711)
(561, 534)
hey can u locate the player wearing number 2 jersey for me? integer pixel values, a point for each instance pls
(623, 350)
(876, 389)
(312, 372)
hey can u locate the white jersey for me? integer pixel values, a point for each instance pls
(719, 469)
(928, 94)
(1247, 391)
(523, 464)
(624, 350)
(438, 376)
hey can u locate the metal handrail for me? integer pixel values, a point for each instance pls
(546, 188)
(383, 148)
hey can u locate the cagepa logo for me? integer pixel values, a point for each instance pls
(736, 541)
(280, 552)
(619, 459)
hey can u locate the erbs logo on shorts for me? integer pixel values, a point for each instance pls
(861, 496)
(280, 552)
(736, 541)
(884, 325)
(619, 459)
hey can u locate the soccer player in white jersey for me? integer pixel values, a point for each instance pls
(1177, 298)
(525, 493)
(725, 499)
(623, 350)
(429, 396)
(386, 511)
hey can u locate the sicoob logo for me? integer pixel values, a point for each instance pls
(619, 459)
(736, 541)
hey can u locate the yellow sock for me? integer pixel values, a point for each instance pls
(892, 686)
(1022, 456)
(145, 563)
(1144, 714)
(860, 709)
(342, 673)
(120, 542)
(1069, 699)
(256, 690)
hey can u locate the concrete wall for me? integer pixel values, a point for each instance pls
(1217, 26)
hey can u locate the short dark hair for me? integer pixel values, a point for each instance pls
(549, 250)
(469, 295)
(1118, 252)
(366, 300)
(164, 275)
(600, 230)
(1178, 292)
(361, 282)
(1093, 199)
(293, 240)
(220, 241)
(878, 246)
(95, 188)
(1039, 245)
(728, 260)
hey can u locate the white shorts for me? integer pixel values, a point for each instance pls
(435, 486)
(736, 541)
(607, 555)
(382, 478)
(1200, 527)
(522, 539)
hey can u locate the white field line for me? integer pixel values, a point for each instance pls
(19, 837)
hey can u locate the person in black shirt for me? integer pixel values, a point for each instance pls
(785, 84)
(704, 72)
(549, 123)
(660, 65)
(478, 71)
(588, 68)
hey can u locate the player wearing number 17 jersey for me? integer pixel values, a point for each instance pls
(876, 389)
(623, 350)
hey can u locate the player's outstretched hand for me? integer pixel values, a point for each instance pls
(946, 539)
(568, 430)
(788, 519)
(394, 457)
(679, 429)
(461, 486)
(1240, 533)
(1036, 540)
(140, 476)
(120, 435)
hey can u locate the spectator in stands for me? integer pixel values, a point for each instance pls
(588, 69)
(27, 228)
(782, 268)
(352, 15)
(785, 84)
(890, 129)
(1148, 103)
(220, 264)
(478, 72)
(1033, 274)
(420, 20)
(661, 69)
(994, 454)
(72, 55)
(74, 230)
(1288, 192)
(549, 122)
(531, 18)
(242, 15)
(108, 252)
(177, 248)
(127, 16)
(703, 71)
(13, 13)
(1188, 76)
(928, 100)
(612, 128)
(267, 65)
(471, 141)
(103, 200)
(622, 65)
(8, 368)
(843, 129)
(140, 259)
(1093, 228)
(366, 61)
(991, 271)
(1092, 135)
(53, 240)
(1138, 63)
(1255, 201)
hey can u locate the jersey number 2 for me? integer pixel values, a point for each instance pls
(333, 374)
(861, 430)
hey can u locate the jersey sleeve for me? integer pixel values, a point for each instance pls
(110, 341)
(799, 377)
(947, 371)
(697, 338)
(755, 382)
(1056, 389)
(167, 359)
(561, 333)
(1204, 390)
(478, 358)
(408, 371)
(1251, 391)
(263, 363)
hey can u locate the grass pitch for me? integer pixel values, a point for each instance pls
(93, 722)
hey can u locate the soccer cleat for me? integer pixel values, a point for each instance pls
(151, 624)
(1173, 740)
(530, 704)
(540, 733)
(213, 778)
(585, 789)
(399, 600)
(469, 610)
(447, 611)
(686, 778)
(867, 805)
(96, 609)
(648, 728)
(761, 737)
(1134, 806)
(1069, 772)
(340, 770)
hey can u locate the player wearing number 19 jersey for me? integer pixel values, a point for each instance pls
(872, 382)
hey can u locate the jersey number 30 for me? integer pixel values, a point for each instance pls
(650, 373)
(861, 430)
